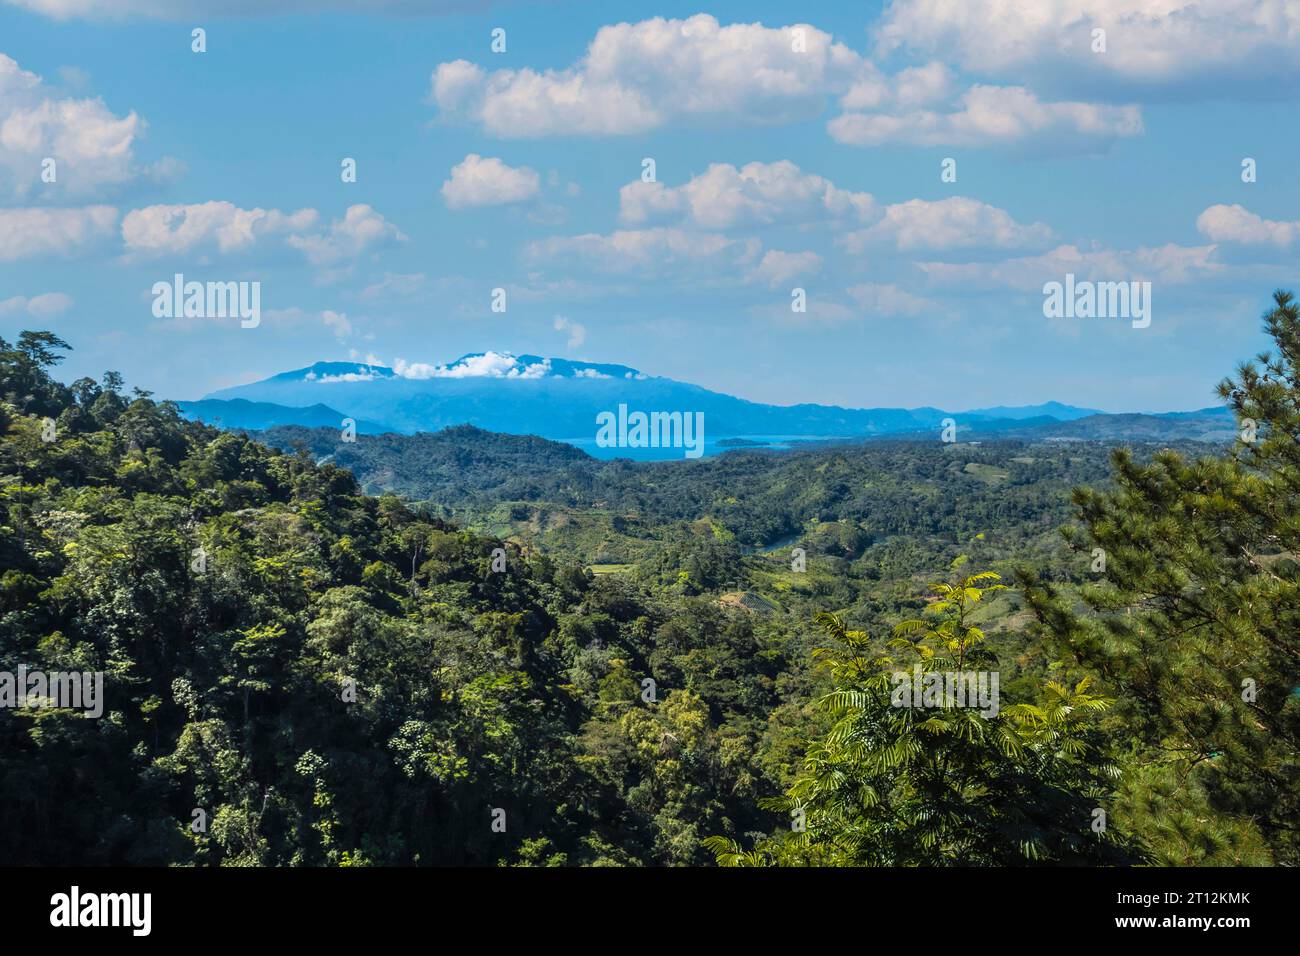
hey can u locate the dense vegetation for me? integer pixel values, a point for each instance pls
(226, 677)
(1194, 623)
(509, 653)
(903, 487)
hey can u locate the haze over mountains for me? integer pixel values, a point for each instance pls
(559, 399)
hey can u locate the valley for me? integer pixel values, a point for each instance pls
(635, 662)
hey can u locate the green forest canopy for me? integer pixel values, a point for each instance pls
(301, 674)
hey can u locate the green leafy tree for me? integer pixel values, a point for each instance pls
(1194, 625)
(895, 784)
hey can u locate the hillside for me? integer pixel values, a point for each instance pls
(298, 674)
(553, 496)
(330, 678)
(626, 661)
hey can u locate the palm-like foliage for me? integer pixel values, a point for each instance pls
(907, 786)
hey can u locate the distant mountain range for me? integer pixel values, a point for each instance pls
(1063, 413)
(559, 399)
(258, 416)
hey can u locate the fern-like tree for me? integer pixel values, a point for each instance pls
(899, 781)
(1194, 622)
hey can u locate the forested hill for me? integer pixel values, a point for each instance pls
(322, 677)
(917, 488)
(461, 462)
(298, 673)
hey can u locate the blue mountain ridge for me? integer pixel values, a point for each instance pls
(259, 416)
(559, 399)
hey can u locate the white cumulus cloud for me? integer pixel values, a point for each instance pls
(487, 365)
(1168, 263)
(35, 232)
(777, 268)
(91, 147)
(1169, 43)
(954, 223)
(1234, 223)
(991, 115)
(477, 181)
(337, 322)
(38, 306)
(222, 226)
(637, 77)
(755, 194)
(576, 330)
(360, 230)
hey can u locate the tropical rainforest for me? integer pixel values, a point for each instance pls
(467, 648)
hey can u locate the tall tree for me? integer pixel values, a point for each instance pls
(1194, 625)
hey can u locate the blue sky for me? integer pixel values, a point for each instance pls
(775, 169)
